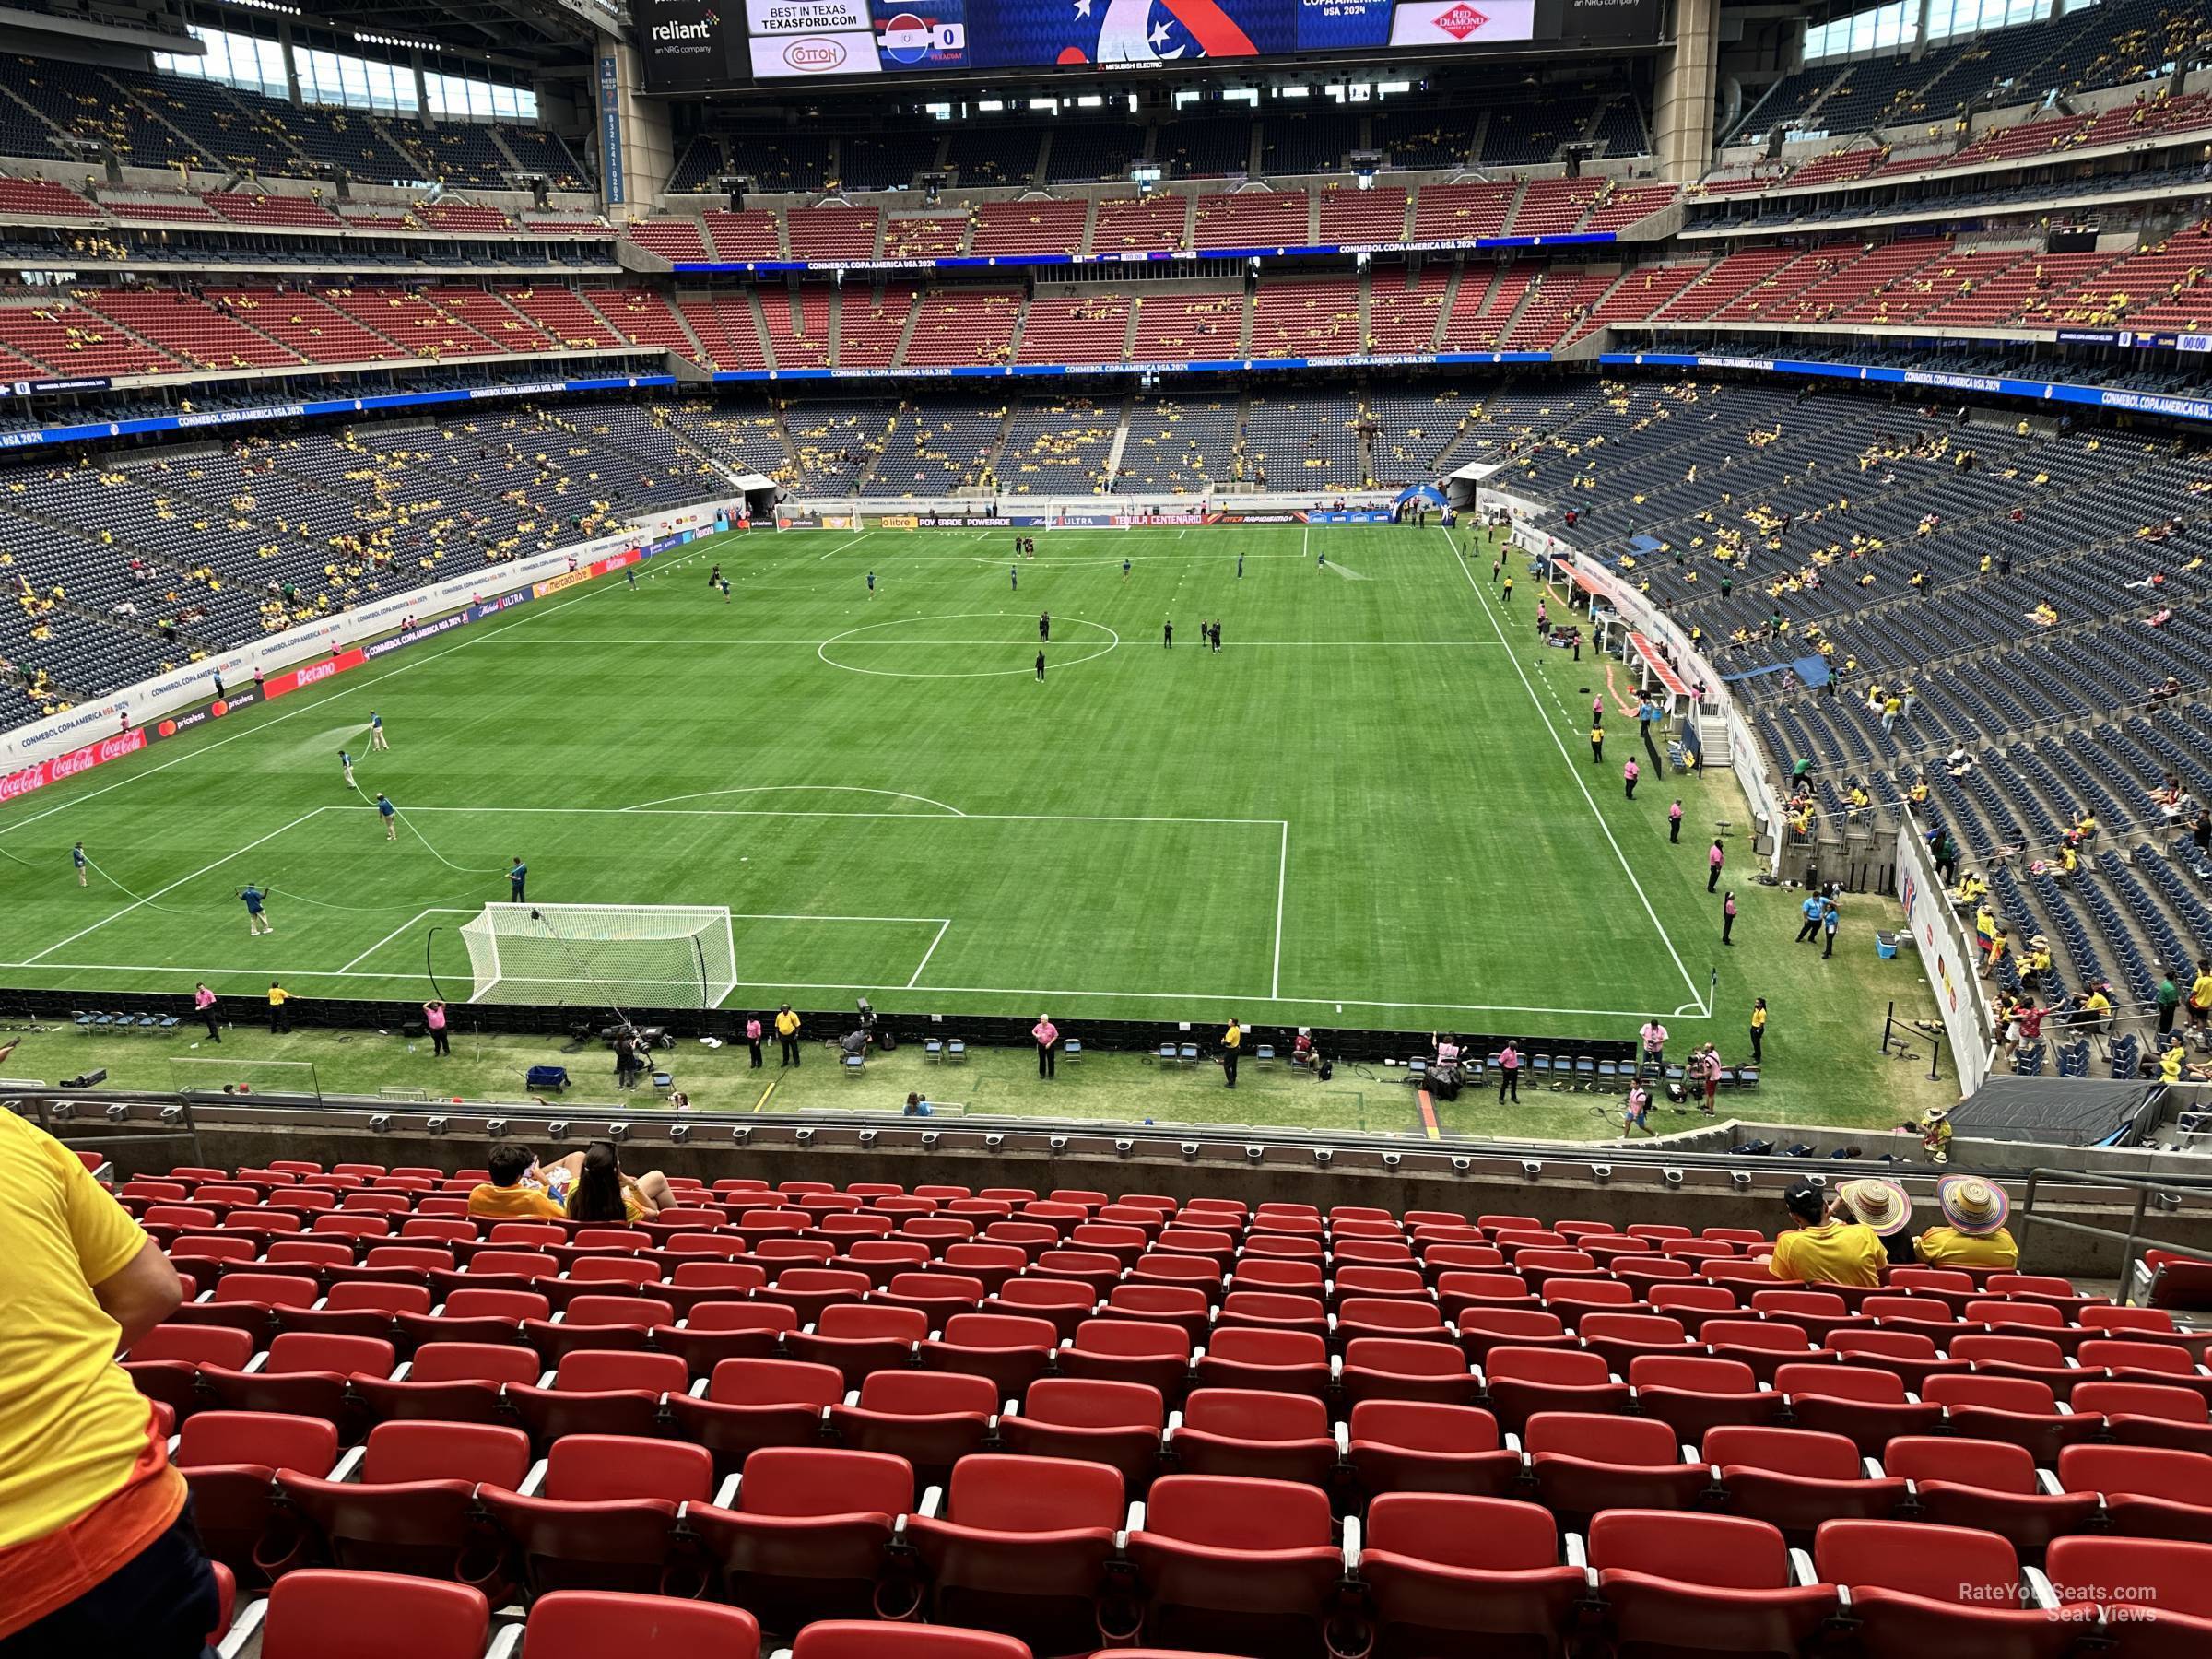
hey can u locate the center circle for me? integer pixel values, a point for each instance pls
(856, 638)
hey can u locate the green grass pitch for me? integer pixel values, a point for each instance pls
(1375, 805)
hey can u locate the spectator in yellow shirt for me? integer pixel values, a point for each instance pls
(97, 1554)
(1973, 1234)
(510, 1194)
(1823, 1251)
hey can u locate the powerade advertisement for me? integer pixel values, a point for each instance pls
(796, 38)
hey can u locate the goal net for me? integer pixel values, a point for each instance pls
(661, 956)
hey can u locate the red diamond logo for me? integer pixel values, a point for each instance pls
(1460, 22)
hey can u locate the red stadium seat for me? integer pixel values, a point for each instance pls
(1248, 1564)
(599, 1392)
(449, 1382)
(304, 1374)
(1090, 1421)
(1383, 1367)
(1584, 1463)
(1415, 1446)
(1280, 1360)
(1795, 1478)
(1520, 1382)
(604, 1516)
(590, 1624)
(230, 1459)
(1674, 1583)
(1023, 1547)
(860, 1339)
(1987, 1484)
(1012, 1352)
(1691, 1394)
(715, 1331)
(1117, 1350)
(2149, 1491)
(411, 1509)
(1864, 1405)
(754, 1402)
(1454, 1574)
(2147, 1414)
(1263, 1435)
(333, 1615)
(861, 1639)
(930, 1418)
(1918, 1589)
(810, 1534)
(2156, 1595)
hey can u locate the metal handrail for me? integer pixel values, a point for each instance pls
(2132, 1244)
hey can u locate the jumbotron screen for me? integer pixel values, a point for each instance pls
(691, 45)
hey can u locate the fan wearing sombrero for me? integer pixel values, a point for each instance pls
(1883, 1206)
(1936, 1134)
(1974, 1232)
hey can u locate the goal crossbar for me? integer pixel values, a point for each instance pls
(674, 956)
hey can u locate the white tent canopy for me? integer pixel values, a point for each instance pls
(1475, 471)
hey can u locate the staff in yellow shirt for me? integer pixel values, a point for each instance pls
(280, 1016)
(1232, 1041)
(787, 1034)
(95, 1544)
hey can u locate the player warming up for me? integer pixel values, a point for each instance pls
(377, 740)
(871, 584)
(390, 813)
(78, 858)
(255, 898)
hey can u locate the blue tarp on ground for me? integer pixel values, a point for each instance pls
(1811, 670)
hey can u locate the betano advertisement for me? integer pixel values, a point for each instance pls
(688, 41)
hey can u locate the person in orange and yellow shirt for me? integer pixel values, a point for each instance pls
(98, 1553)
(509, 1194)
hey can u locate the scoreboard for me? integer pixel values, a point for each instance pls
(703, 45)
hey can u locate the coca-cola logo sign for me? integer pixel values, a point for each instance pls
(83, 759)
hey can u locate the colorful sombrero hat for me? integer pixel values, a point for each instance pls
(1972, 1204)
(1881, 1205)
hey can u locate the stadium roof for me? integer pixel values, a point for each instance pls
(526, 33)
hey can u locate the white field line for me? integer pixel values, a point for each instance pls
(181, 881)
(930, 952)
(418, 915)
(1226, 998)
(1575, 772)
(1282, 882)
(726, 644)
(843, 544)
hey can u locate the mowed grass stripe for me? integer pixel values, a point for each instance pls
(1437, 863)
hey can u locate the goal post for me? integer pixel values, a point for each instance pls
(661, 955)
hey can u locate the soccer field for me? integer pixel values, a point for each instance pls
(1375, 805)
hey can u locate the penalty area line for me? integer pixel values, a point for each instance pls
(930, 952)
